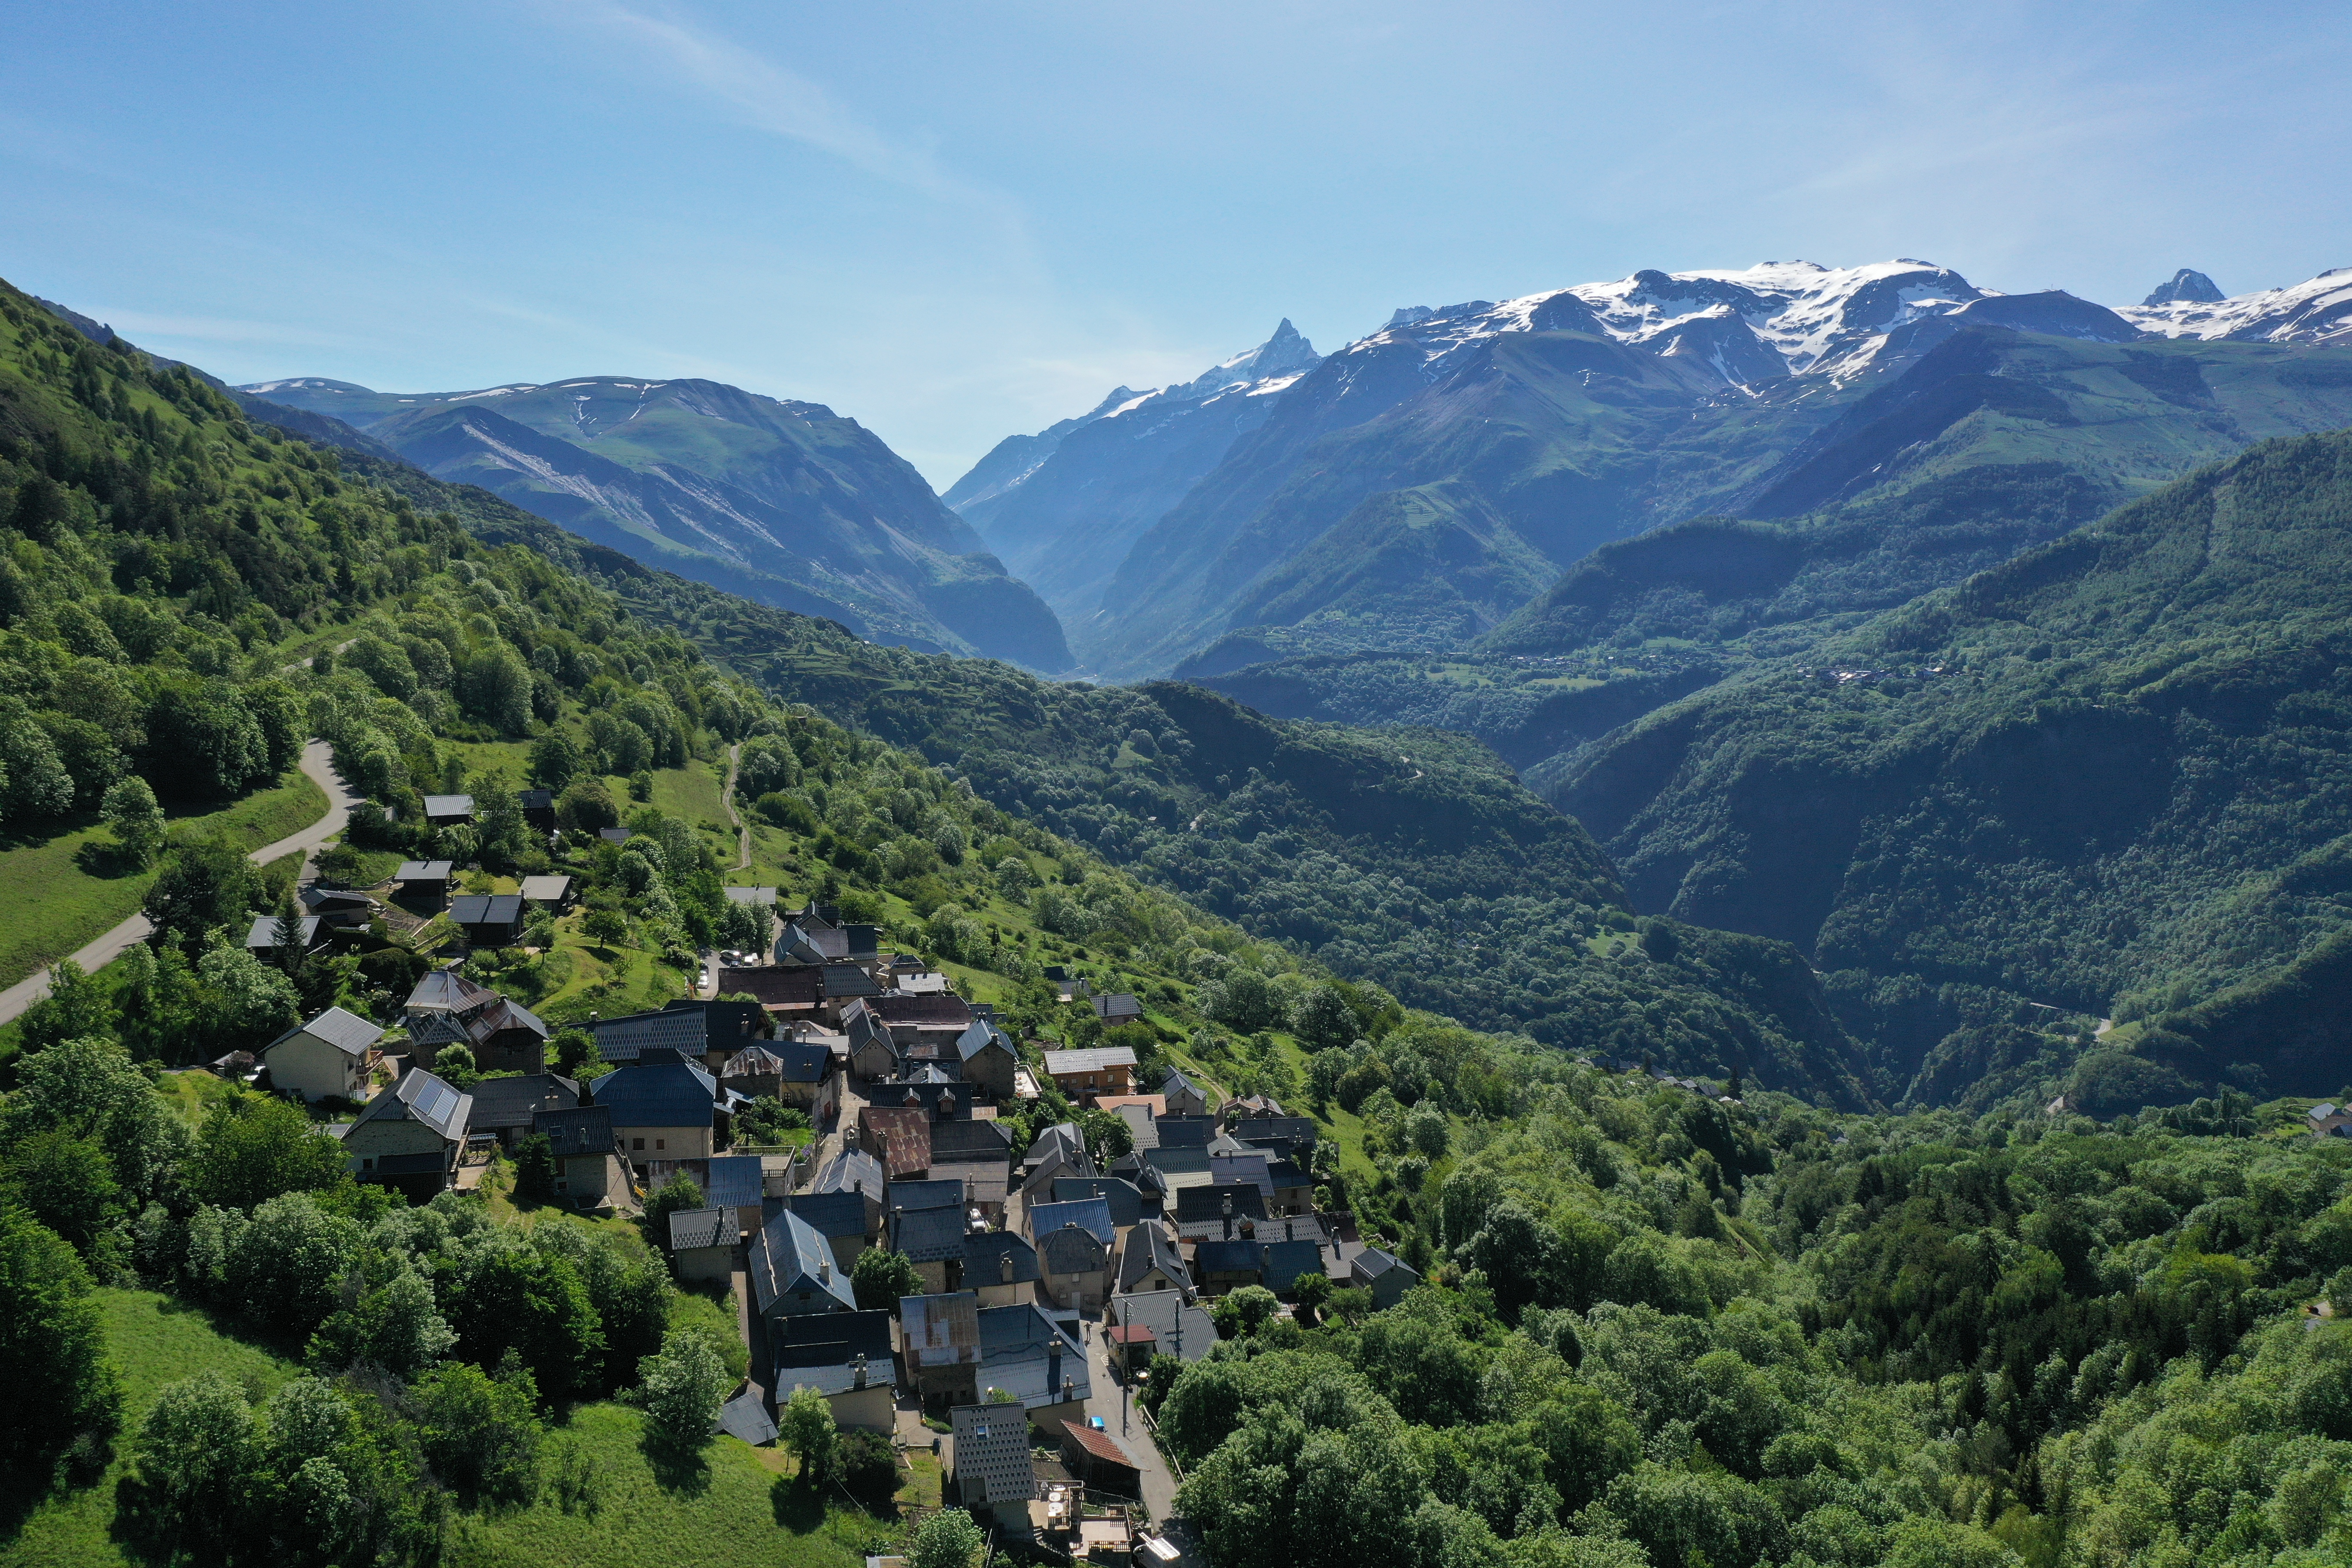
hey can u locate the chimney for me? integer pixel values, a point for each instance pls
(857, 1371)
(1004, 1268)
(1287, 1234)
(825, 1267)
(1054, 1361)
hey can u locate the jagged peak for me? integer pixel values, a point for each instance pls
(2187, 287)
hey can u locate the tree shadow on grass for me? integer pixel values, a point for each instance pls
(680, 1469)
(799, 1508)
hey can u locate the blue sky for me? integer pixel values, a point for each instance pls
(957, 220)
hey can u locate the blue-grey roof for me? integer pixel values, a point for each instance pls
(264, 934)
(836, 1214)
(486, 909)
(1228, 1257)
(801, 1061)
(347, 1032)
(1287, 1260)
(685, 1030)
(850, 980)
(983, 1252)
(745, 1417)
(668, 1094)
(1126, 1202)
(1199, 1203)
(1184, 1131)
(500, 1102)
(1090, 1215)
(1372, 1263)
(737, 1181)
(788, 1255)
(927, 1235)
(587, 1131)
(701, 1227)
(1021, 1352)
(853, 1170)
(1072, 1249)
(448, 804)
(979, 1037)
(938, 1194)
(1148, 1247)
(423, 1097)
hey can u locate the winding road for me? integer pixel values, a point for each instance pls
(317, 767)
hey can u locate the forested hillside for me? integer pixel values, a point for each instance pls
(2111, 774)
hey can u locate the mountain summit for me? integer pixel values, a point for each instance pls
(1063, 506)
(2188, 287)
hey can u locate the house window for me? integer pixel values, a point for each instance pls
(661, 1143)
(368, 1163)
(637, 1142)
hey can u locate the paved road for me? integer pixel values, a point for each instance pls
(111, 946)
(1125, 1425)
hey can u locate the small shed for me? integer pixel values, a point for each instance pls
(261, 940)
(702, 1244)
(488, 919)
(1096, 1458)
(448, 810)
(537, 808)
(1385, 1275)
(550, 893)
(423, 878)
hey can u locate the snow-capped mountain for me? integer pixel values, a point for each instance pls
(2318, 311)
(1062, 507)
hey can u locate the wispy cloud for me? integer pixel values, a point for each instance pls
(216, 330)
(772, 98)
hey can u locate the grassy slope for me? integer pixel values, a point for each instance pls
(59, 899)
(735, 1509)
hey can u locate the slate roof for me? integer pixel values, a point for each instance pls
(1227, 1258)
(1139, 1124)
(943, 1009)
(745, 1418)
(1178, 1327)
(1024, 1354)
(1098, 1059)
(347, 1032)
(319, 898)
(1063, 1138)
(423, 1097)
(1372, 1263)
(1284, 1261)
(933, 1194)
(422, 871)
(1115, 1005)
(788, 1255)
(659, 1094)
(1185, 1132)
(983, 1252)
(979, 1037)
(802, 1062)
(587, 1131)
(853, 1170)
(502, 1102)
(736, 1181)
(1126, 1202)
(1090, 1215)
(848, 980)
(993, 1465)
(624, 1040)
(701, 1227)
(927, 1235)
(615, 834)
(972, 1140)
(1206, 1206)
(835, 1215)
(1072, 1249)
(1284, 1130)
(774, 986)
(1147, 1246)
(1252, 1168)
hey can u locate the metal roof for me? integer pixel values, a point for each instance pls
(448, 804)
(1097, 1444)
(686, 1030)
(586, 1130)
(833, 1214)
(1208, 1202)
(1284, 1261)
(745, 1417)
(980, 1036)
(1228, 1257)
(1178, 1327)
(911, 1195)
(422, 871)
(737, 1181)
(546, 889)
(347, 1032)
(1099, 1058)
(853, 1170)
(1090, 1215)
(701, 1227)
(1184, 1131)
(517, 1101)
(985, 1255)
(788, 1255)
(263, 933)
(665, 1094)
(927, 1235)
(447, 991)
(1126, 1202)
(1117, 1005)
(941, 1331)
